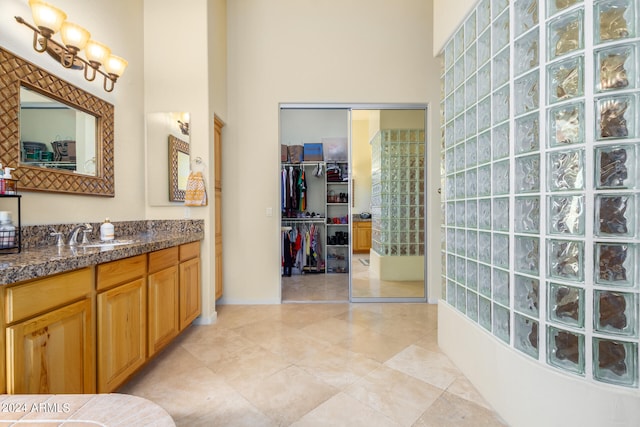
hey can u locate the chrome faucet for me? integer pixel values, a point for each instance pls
(73, 235)
(58, 235)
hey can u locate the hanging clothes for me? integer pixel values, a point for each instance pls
(302, 191)
(301, 250)
(287, 253)
(293, 191)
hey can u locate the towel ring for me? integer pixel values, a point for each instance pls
(198, 164)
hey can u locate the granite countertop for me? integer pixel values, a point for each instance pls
(45, 260)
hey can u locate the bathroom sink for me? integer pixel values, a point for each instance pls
(105, 244)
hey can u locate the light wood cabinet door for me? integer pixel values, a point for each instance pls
(121, 333)
(190, 304)
(163, 308)
(361, 236)
(53, 353)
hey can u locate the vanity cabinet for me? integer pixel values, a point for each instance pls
(122, 314)
(190, 300)
(163, 294)
(50, 345)
(90, 330)
(361, 236)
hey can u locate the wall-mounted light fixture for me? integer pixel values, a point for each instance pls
(184, 127)
(50, 20)
(183, 123)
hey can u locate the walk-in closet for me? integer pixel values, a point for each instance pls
(352, 185)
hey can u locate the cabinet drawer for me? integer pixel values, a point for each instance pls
(40, 295)
(189, 250)
(159, 260)
(121, 271)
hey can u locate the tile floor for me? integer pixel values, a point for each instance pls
(335, 287)
(316, 288)
(367, 285)
(313, 365)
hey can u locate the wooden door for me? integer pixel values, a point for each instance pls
(190, 304)
(164, 323)
(53, 353)
(217, 143)
(362, 237)
(121, 333)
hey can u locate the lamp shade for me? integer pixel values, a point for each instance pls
(47, 16)
(74, 36)
(97, 52)
(115, 65)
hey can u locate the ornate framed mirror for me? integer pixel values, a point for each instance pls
(167, 157)
(55, 170)
(178, 168)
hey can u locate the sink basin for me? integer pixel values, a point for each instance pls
(105, 244)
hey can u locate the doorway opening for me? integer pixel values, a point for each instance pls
(357, 230)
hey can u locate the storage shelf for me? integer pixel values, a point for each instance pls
(307, 163)
(284, 219)
(317, 201)
(17, 247)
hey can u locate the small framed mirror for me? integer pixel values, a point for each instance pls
(168, 157)
(51, 153)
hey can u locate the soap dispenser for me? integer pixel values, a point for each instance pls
(106, 231)
(10, 186)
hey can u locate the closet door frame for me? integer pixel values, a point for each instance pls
(373, 106)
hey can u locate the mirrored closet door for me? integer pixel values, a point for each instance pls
(388, 158)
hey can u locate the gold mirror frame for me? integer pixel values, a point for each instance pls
(176, 146)
(16, 72)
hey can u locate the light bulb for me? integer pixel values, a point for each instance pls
(47, 17)
(74, 36)
(115, 65)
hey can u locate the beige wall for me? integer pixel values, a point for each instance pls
(178, 77)
(450, 14)
(279, 51)
(167, 50)
(217, 37)
(309, 51)
(361, 166)
(100, 18)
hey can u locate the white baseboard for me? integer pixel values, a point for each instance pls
(241, 301)
(206, 320)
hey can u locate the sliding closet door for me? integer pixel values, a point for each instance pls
(315, 204)
(389, 166)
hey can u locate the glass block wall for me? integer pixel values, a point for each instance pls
(397, 192)
(541, 181)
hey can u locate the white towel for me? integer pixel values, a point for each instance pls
(196, 193)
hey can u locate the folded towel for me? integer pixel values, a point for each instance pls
(196, 193)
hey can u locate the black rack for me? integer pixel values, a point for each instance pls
(15, 236)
